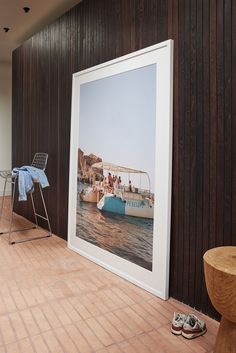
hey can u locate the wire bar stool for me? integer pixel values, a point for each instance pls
(40, 162)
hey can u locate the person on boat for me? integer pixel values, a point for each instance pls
(110, 183)
(110, 180)
(119, 182)
(130, 186)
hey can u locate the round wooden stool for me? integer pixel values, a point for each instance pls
(220, 275)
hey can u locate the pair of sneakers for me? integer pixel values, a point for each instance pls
(189, 326)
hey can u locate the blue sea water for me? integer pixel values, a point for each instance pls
(128, 237)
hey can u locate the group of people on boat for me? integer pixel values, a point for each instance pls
(114, 182)
(110, 184)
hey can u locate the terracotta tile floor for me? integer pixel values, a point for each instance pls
(53, 300)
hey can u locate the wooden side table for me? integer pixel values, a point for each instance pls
(220, 276)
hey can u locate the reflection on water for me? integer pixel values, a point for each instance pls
(128, 237)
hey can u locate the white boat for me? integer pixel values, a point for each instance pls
(125, 200)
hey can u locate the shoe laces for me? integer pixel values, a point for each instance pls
(179, 317)
(193, 320)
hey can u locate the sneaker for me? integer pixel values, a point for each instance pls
(177, 323)
(193, 327)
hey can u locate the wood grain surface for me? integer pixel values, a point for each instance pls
(220, 275)
(204, 149)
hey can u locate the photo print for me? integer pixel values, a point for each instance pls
(119, 209)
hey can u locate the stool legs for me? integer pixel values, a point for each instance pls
(36, 215)
(45, 210)
(226, 337)
(12, 208)
(32, 201)
(8, 178)
(3, 197)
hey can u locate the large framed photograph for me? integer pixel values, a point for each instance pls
(121, 164)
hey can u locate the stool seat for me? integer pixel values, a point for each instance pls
(220, 276)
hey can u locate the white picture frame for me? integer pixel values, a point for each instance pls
(155, 281)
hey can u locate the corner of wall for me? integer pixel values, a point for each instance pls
(5, 120)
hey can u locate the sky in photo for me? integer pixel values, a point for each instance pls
(117, 121)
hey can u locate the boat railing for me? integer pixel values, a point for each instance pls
(140, 191)
(126, 194)
(131, 196)
(144, 192)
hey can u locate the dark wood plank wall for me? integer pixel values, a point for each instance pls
(204, 151)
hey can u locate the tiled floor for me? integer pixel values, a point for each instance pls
(53, 300)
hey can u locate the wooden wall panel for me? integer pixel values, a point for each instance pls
(204, 151)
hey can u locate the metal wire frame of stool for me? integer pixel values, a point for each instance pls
(40, 162)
